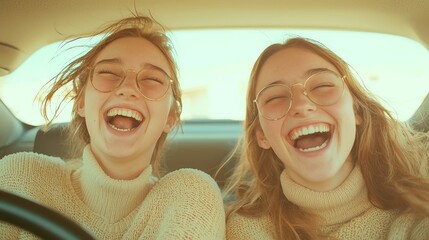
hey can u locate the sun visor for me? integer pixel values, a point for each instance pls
(10, 58)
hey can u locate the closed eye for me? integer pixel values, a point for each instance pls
(322, 86)
(146, 81)
(275, 99)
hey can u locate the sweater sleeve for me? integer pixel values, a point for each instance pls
(184, 204)
(421, 229)
(22, 173)
(18, 176)
(12, 172)
(249, 228)
(409, 226)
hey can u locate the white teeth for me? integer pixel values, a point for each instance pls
(309, 130)
(120, 129)
(125, 112)
(314, 148)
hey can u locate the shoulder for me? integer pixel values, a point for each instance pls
(190, 190)
(249, 227)
(24, 160)
(194, 198)
(189, 180)
(421, 229)
(27, 167)
(410, 226)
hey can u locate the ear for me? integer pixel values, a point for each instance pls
(171, 122)
(81, 108)
(262, 141)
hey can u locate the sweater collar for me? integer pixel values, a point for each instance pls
(112, 199)
(337, 206)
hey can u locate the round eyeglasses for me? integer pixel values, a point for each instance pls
(323, 88)
(152, 82)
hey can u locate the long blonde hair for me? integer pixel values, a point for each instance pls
(394, 164)
(76, 75)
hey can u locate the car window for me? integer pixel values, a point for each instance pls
(214, 67)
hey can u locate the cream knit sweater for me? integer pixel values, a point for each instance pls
(346, 211)
(185, 204)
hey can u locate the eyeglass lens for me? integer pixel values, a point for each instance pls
(152, 83)
(323, 88)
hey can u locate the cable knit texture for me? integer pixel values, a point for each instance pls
(346, 212)
(184, 204)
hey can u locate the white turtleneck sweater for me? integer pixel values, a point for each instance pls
(184, 204)
(346, 213)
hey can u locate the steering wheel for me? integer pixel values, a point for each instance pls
(38, 219)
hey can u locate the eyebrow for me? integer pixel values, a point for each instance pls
(307, 74)
(316, 70)
(109, 60)
(146, 65)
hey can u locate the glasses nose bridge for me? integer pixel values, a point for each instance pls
(133, 83)
(127, 71)
(303, 89)
(127, 74)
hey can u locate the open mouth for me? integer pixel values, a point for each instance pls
(311, 138)
(124, 120)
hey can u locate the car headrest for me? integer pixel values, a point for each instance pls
(53, 142)
(420, 119)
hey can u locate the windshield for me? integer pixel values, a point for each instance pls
(214, 67)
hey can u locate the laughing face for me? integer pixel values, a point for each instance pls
(123, 125)
(312, 141)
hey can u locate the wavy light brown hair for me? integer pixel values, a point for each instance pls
(74, 77)
(394, 164)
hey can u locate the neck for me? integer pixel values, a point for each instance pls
(324, 183)
(337, 206)
(125, 168)
(104, 194)
(333, 182)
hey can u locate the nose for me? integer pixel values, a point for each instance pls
(128, 87)
(301, 105)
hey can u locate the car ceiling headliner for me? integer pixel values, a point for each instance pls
(26, 25)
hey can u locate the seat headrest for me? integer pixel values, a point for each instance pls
(54, 141)
(420, 119)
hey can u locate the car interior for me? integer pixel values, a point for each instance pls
(200, 143)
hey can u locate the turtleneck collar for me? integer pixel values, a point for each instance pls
(337, 206)
(112, 199)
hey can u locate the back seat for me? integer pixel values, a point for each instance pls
(200, 144)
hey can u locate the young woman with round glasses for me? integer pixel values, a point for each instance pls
(126, 100)
(321, 159)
